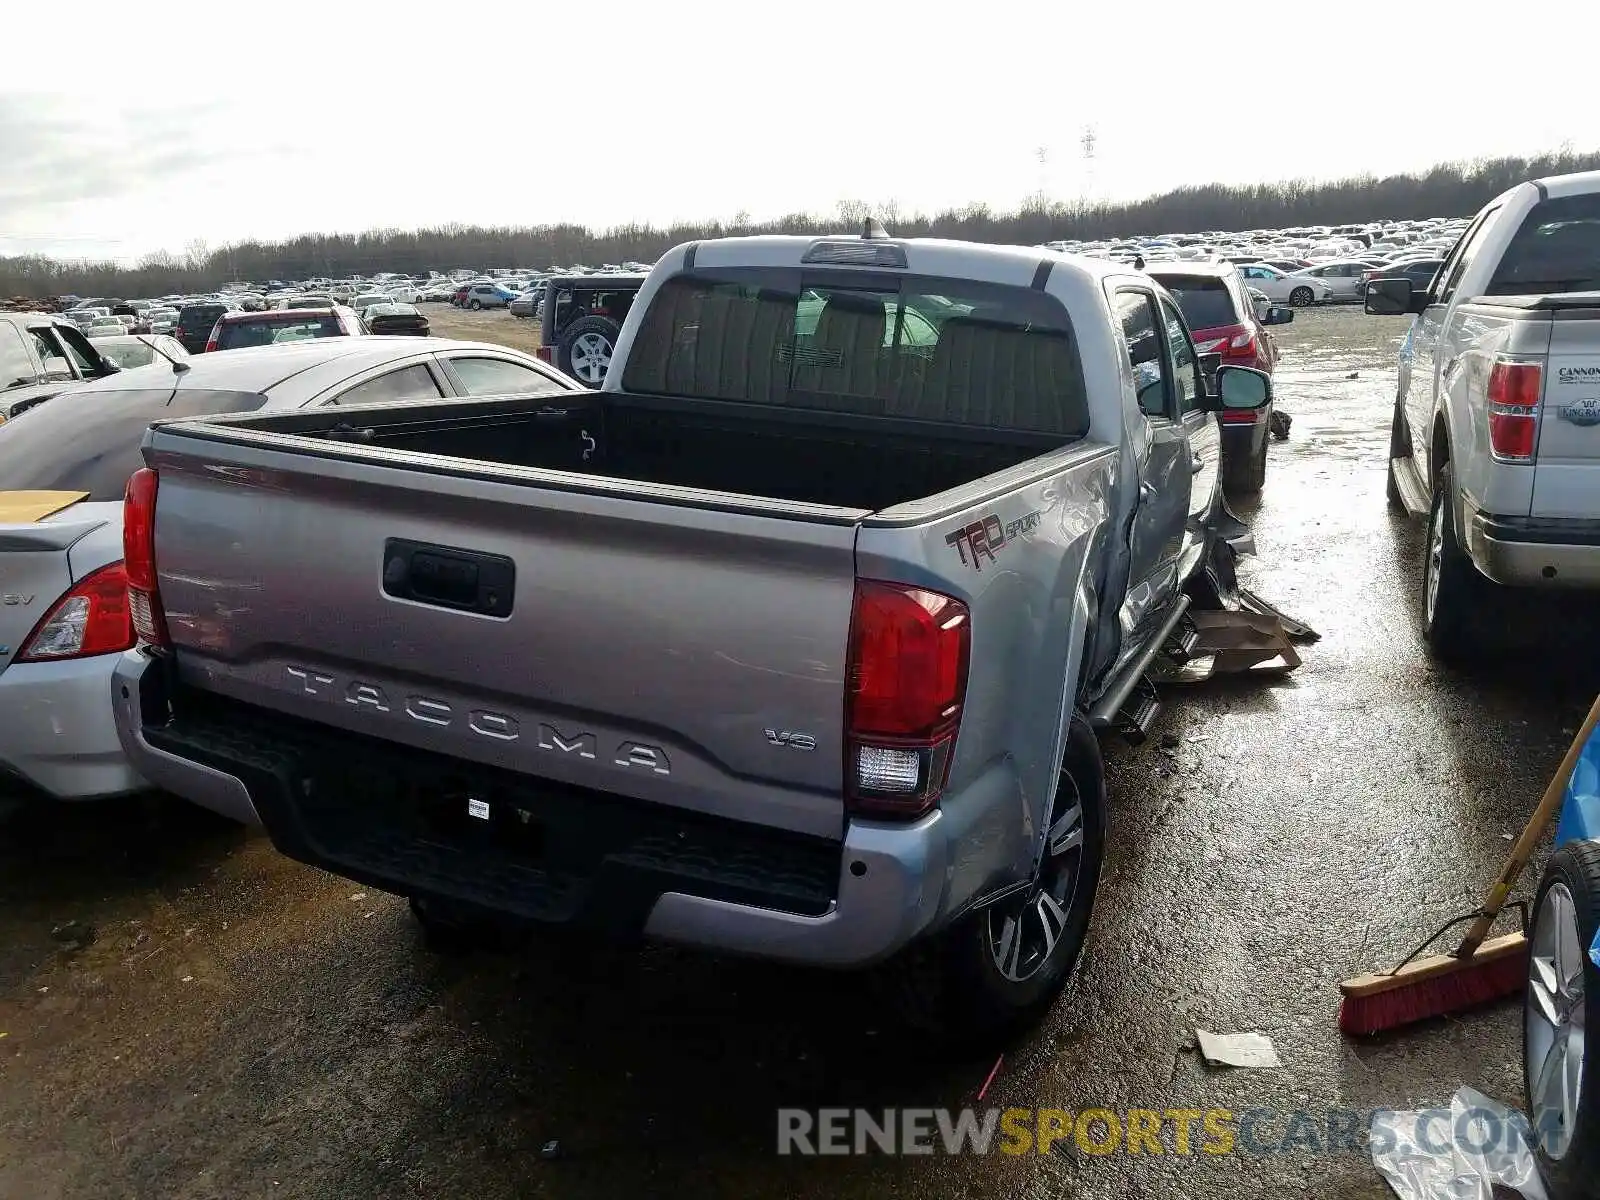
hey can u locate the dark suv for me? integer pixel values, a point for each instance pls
(582, 316)
(195, 322)
(1223, 321)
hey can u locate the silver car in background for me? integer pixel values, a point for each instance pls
(63, 605)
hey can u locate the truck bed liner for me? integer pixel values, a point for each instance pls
(829, 459)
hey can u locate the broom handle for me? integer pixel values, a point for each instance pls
(1532, 834)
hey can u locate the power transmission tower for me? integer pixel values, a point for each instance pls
(1087, 141)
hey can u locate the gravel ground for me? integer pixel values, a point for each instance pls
(238, 1025)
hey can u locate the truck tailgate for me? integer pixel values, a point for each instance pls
(637, 647)
(1566, 479)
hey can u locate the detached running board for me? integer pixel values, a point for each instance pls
(1417, 502)
(1109, 712)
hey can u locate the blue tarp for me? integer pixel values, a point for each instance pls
(1580, 810)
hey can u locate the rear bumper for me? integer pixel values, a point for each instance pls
(1534, 551)
(59, 734)
(397, 818)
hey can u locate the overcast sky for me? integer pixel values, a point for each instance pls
(136, 128)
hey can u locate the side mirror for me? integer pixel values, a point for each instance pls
(1394, 297)
(1278, 316)
(1244, 389)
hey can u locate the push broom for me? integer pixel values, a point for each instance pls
(1481, 968)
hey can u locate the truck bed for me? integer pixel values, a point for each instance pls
(836, 460)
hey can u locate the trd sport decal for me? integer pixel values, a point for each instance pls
(986, 536)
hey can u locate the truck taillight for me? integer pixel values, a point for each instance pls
(909, 649)
(1514, 410)
(92, 618)
(139, 557)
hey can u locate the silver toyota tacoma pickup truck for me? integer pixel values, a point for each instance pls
(793, 640)
(1496, 431)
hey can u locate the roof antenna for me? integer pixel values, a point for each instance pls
(871, 229)
(178, 367)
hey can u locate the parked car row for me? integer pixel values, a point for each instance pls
(1313, 265)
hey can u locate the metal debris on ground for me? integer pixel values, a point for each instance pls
(1237, 1049)
(1230, 642)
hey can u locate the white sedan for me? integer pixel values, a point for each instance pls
(1279, 286)
(1343, 276)
(65, 462)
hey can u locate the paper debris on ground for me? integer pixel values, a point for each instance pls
(1457, 1153)
(1237, 1049)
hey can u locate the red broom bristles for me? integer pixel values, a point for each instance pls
(1473, 984)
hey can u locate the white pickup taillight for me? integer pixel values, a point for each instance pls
(139, 557)
(1513, 396)
(909, 650)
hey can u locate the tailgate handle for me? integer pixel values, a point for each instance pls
(446, 577)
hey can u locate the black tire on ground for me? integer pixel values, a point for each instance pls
(1452, 605)
(475, 305)
(1302, 297)
(605, 327)
(1575, 1171)
(955, 985)
(1247, 477)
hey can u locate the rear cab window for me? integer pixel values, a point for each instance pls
(1556, 250)
(918, 347)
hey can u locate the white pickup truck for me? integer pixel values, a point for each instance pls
(1496, 432)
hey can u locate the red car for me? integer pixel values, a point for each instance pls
(1216, 306)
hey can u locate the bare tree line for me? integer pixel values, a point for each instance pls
(1449, 189)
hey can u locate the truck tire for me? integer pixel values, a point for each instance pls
(1561, 1090)
(1248, 477)
(1000, 967)
(585, 349)
(1453, 591)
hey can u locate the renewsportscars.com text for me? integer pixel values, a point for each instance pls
(1101, 1131)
